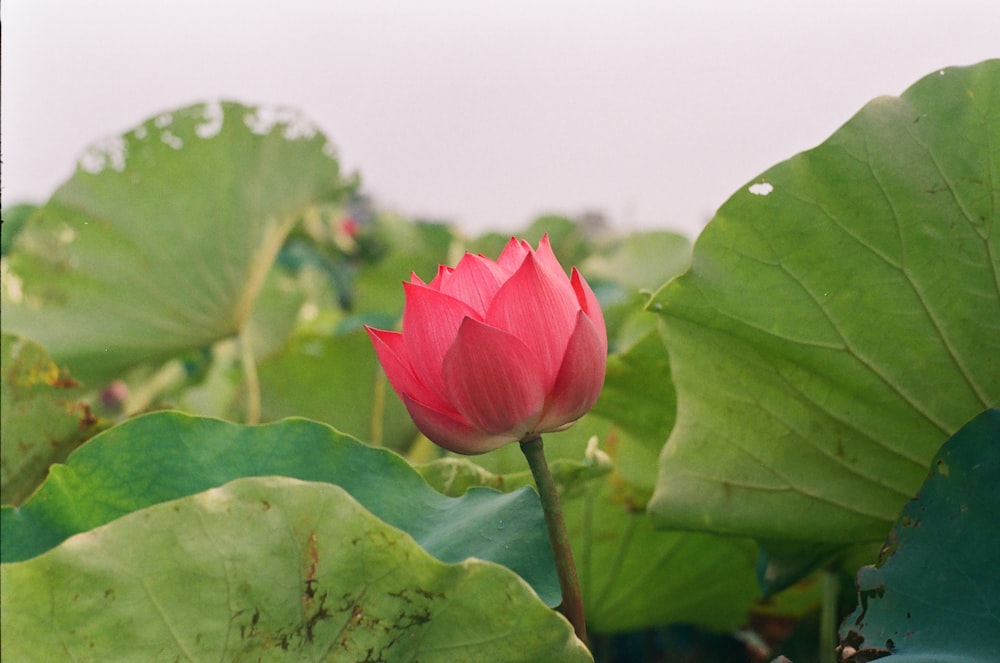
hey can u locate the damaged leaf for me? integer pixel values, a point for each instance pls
(934, 593)
(282, 570)
(42, 418)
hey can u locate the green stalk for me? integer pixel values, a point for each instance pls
(378, 409)
(250, 378)
(170, 375)
(828, 616)
(572, 603)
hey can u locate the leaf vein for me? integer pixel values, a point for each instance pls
(963, 370)
(869, 364)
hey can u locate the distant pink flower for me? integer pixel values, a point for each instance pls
(114, 395)
(349, 226)
(493, 352)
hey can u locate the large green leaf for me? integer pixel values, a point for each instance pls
(162, 238)
(42, 418)
(935, 593)
(269, 569)
(168, 455)
(841, 318)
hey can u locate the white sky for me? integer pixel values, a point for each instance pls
(486, 113)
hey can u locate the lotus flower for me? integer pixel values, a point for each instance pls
(495, 352)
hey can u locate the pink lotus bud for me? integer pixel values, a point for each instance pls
(114, 395)
(493, 352)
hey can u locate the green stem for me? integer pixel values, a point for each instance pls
(828, 616)
(168, 376)
(250, 378)
(572, 603)
(378, 409)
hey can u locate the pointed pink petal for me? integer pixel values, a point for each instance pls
(580, 379)
(430, 323)
(513, 255)
(540, 310)
(391, 352)
(443, 274)
(590, 305)
(451, 431)
(474, 281)
(416, 279)
(493, 380)
(547, 259)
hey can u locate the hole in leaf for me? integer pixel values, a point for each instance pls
(109, 152)
(213, 121)
(172, 139)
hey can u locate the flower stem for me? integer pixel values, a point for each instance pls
(828, 616)
(250, 378)
(572, 603)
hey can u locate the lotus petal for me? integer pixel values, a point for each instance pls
(493, 380)
(580, 378)
(539, 310)
(430, 322)
(450, 431)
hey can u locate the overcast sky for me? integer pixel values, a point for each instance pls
(486, 113)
